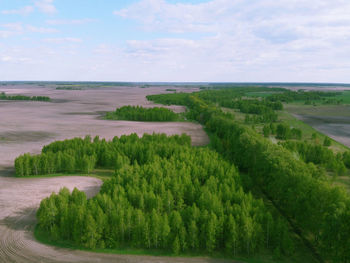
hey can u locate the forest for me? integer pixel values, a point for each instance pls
(246, 195)
(326, 97)
(310, 203)
(165, 195)
(3, 96)
(139, 113)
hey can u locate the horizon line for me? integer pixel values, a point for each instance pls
(181, 82)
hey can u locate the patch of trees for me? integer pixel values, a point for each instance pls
(179, 98)
(317, 154)
(263, 110)
(165, 195)
(83, 155)
(319, 209)
(217, 95)
(138, 113)
(300, 95)
(284, 132)
(3, 96)
(234, 98)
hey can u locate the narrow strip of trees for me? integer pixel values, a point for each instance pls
(3, 96)
(138, 113)
(319, 209)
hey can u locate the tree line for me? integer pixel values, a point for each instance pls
(301, 95)
(165, 195)
(138, 113)
(319, 155)
(319, 209)
(3, 96)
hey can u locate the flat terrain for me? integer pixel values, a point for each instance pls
(26, 126)
(333, 120)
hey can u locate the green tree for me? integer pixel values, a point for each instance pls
(327, 141)
(90, 235)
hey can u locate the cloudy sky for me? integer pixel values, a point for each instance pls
(168, 40)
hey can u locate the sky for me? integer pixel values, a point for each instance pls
(180, 41)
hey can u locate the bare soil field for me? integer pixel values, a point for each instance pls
(26, 126)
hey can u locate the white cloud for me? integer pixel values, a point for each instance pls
(6, 58)
(13, 29)
(42, 30)
(13, 26)
(63, 40)
(5, 34)
(70, 21)
(10, 59)
(257, 40)
(10, 29)
(46, 6)
(218, 40)
(21, 11)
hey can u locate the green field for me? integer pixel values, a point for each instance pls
(345, 96)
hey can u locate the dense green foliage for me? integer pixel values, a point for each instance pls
(317, 154)
(319, 210)
(307, 96)
(327, 141)
(346, 159)
(165, 195)
(234, 98)
(81, 155)
(138, 113)
(176, 98)
(3, 96)
(284, 132)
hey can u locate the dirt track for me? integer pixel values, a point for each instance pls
(26, 127)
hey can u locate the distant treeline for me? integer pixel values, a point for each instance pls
(3, 96)
(306, 96)
(138, 113)
(234, 99)
(318, 209)
(165, 195)
(68, 88)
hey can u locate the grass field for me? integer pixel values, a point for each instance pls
(325, 114)
(345, 96)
